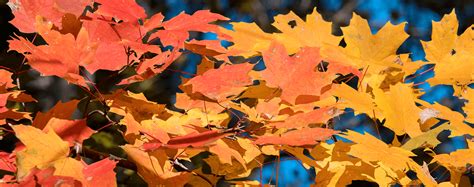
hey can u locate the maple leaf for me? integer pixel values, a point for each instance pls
(122, 43)
(153, 22)
(42, 149)
(181, 124)
(60, 110)
(20, 96)
(3, 102)
(205, 47)
(398, 107)
(46, 177)
(315, 32)
(269, 108)
(335, 166)
(72, 131)
(156, 133)
(155, 168)
(126, 10)
(177, 124)
(148, 68)
(300, 137)
(456, 119)
(350, 98)
(88, 175)
(12, 114)
(183, 101)
(5, 79)
(448, 52)
(61, 57)
(7, 161)
(165, 59)
(25, 12)
(295, 75)
(206, 180)
(103, 31)
(457, 159)
(366, 49)
(133, 128)
(176, 30)
(213, 85)
(456, 162)
(100, 173)
(107, 39)
(428, 138)
(281, 105)
(251, 151)
(299, 153)
(392, 159)
(69, 167)
(366, 144)
(14, 96)
(225, 153)
(137, 105)
(192, 139)
(301, 120)
(261, 91)
(248, 38)
(211, 48)
(265, 111)
(71, 172)
(231, 171)
(98, 45)
(295, 34)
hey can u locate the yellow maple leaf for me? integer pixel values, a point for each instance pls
(225, 153)
(372, 150)
(181, 124)
(456, 162)
(456, 119)
(298, 153)
(335, 166)
(399, 109)
(155, 167)
(133, 128)
(450, 53)
(383, 175)
(315, 32)
(361, 102)
(251, 150)
(366, 145)
(42, 149)
(427, 138)
(366, 49)
(69, 167)
(342, 174)
(249, 39)
(122, 102)
(270, 150)
(234, 170)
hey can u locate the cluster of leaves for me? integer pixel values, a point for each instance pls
(231, 117)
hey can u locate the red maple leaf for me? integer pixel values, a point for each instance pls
(301, 137)
(295, 75)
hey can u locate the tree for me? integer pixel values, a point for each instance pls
(230, 116)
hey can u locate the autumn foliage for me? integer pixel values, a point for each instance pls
(231, 117)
